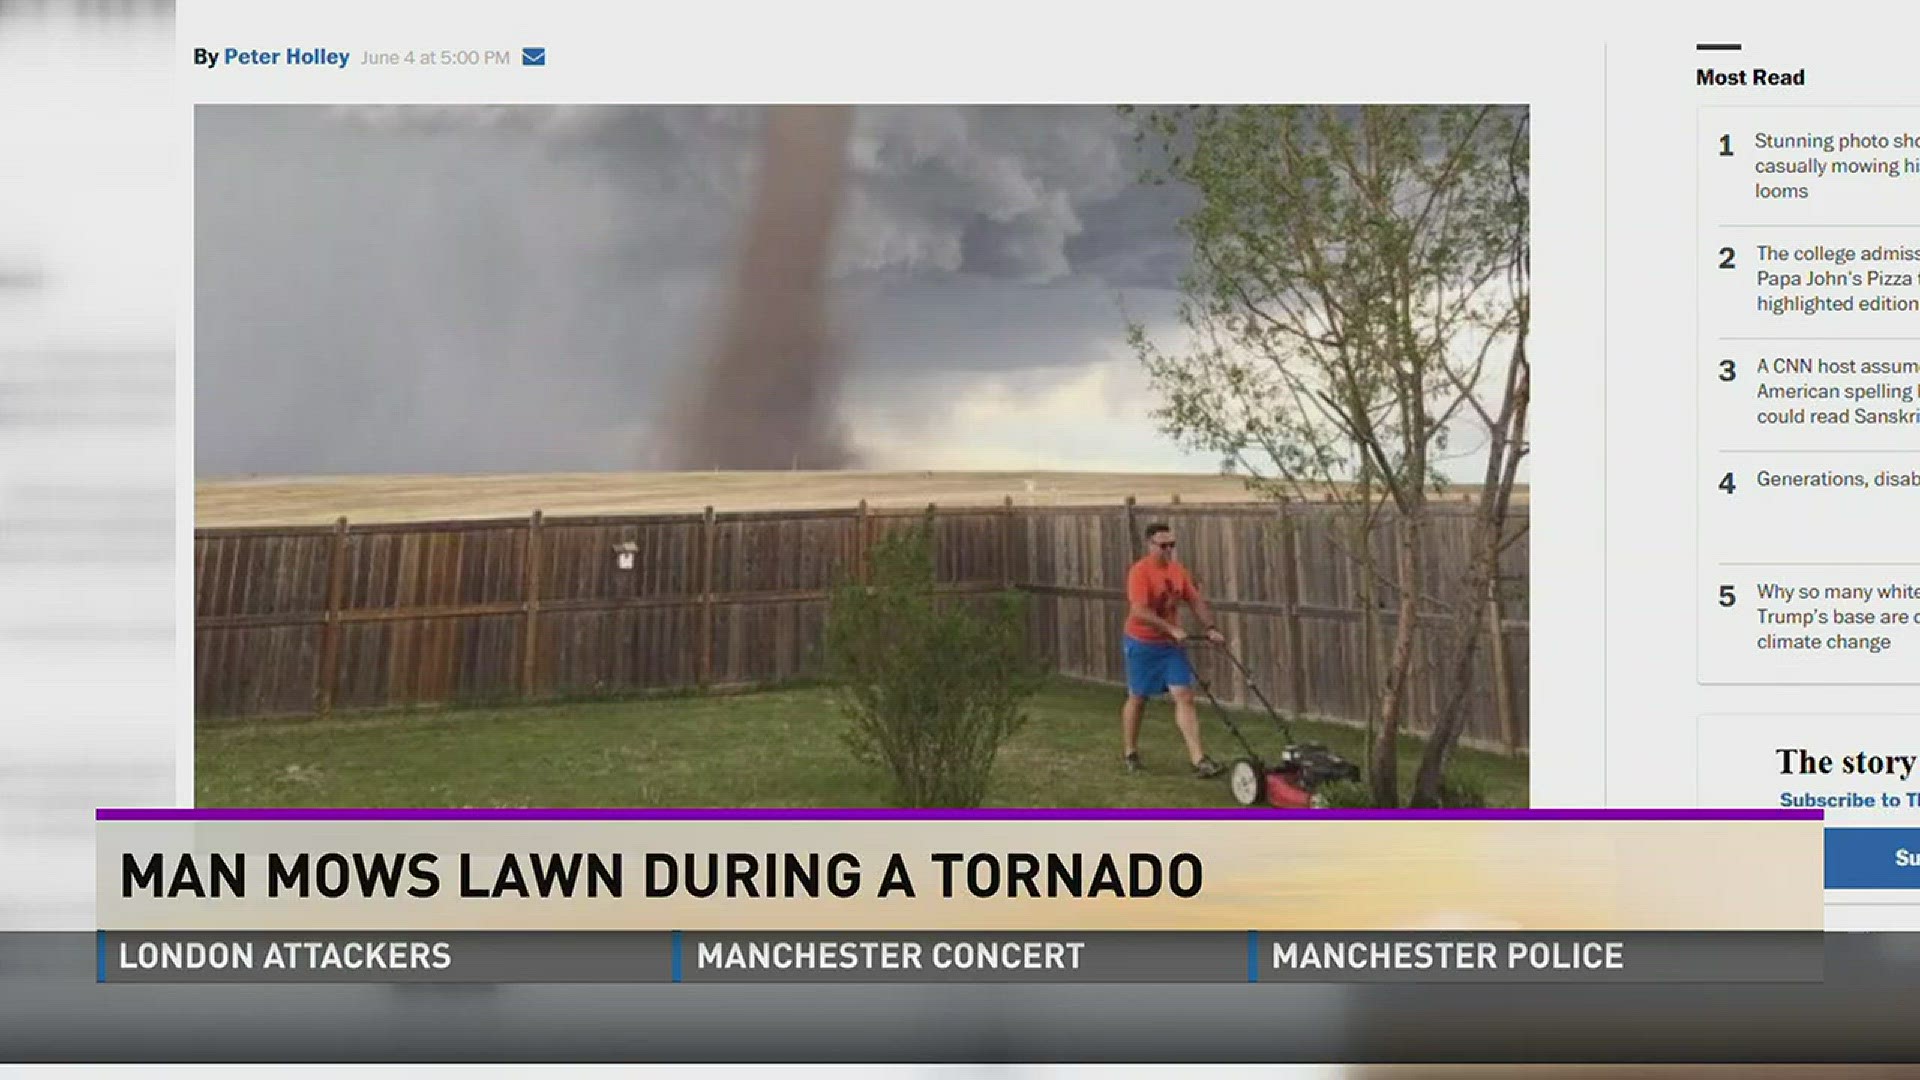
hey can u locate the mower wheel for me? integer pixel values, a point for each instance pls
(1248, 782)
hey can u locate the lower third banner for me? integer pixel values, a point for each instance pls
(533, 956)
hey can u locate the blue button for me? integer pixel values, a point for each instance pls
(1873, 858)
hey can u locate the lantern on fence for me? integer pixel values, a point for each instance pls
(623, 554)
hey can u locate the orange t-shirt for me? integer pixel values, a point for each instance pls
(1160, 588)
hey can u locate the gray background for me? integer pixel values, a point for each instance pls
(52, 1010)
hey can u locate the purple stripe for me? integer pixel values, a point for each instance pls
(375, 813)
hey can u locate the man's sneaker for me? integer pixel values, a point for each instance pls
(1207, 768)
(1133, 763)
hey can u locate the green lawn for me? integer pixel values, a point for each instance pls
(774, 748)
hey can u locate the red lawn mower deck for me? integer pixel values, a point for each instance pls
(1301, 770)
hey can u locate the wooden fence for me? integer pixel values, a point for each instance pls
(309, 620)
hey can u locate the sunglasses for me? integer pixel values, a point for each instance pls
(1164, 545)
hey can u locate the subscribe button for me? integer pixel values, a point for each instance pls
(1873, 858)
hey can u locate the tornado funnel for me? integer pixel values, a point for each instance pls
(765, 396)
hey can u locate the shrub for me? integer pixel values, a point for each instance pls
(1462, 791)
(932, 685)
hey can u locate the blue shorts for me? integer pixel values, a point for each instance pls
(1152, 667)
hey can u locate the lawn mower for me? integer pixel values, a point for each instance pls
(1290, 783)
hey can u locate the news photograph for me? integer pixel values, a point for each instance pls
(819, 456)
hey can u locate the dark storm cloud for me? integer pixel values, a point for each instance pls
(1131, 242)
(514, 288)
(971, 323)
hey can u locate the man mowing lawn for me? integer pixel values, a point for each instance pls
(1156, 660)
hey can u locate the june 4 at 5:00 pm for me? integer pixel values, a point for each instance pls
(443, 57)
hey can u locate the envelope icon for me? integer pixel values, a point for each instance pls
(533, 56)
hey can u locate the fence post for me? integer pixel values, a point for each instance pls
(1502, 684)
(860, 568)
(1006, 544)
(327, 675)
(1176, 498)
(1368, 604)
(1133, 531)
(529, 654)
(933, 546)
(1290, 593)
(705, 674)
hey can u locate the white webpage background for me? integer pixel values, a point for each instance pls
(88, 614)
(1670, 737)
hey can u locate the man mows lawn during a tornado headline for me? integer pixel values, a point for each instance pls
(1156, 658)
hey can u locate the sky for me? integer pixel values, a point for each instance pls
(430, 289)
(521, 289)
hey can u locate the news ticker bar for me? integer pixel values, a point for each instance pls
(519, 956)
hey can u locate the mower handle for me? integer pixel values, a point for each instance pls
(1246, 674)
(1205, 642)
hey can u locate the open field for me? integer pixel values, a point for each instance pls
(773, 748)
(318, 500)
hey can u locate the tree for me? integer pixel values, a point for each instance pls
(1502, 415)
(1350, 278)
(932, 685)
